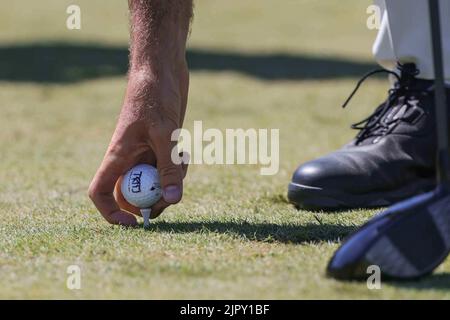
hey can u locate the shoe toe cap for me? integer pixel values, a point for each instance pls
(320, 173)
(309, 174)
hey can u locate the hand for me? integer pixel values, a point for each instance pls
(155, 105)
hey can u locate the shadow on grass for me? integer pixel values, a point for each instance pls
(265, 232)
(292, 234)
(376, 209)
(437, 281)
(59, 62)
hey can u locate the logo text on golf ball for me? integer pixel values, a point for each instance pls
(136, 182)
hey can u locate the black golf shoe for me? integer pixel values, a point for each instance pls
(391, 158)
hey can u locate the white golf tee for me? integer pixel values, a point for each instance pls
(146, 215)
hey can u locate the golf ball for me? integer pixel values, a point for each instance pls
(141, 187)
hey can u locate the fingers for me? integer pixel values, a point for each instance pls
(170, 174)
(120, 199)
(146, 157)
(102, 188)
(159, 207)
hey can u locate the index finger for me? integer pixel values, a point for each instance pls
(102, 188)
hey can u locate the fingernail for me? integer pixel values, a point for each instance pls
(172, 194)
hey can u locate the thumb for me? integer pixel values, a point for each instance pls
(170, 174)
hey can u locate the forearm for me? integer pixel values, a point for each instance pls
(154, 107)
(159, 30)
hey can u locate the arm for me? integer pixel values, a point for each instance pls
(154, 106)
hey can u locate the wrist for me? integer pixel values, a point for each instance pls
(153, 83)
(155, 68)
(161, 52)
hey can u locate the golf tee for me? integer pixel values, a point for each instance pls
(146, 215)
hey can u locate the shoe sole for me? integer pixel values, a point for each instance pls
(314, 198)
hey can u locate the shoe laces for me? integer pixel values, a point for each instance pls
(373, 126)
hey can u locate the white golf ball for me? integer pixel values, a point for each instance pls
(141, 186)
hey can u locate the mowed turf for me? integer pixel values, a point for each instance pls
(254, 64)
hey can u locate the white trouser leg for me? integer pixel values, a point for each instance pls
(405, 35)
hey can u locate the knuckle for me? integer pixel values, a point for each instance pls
(117, 151)
(92, 192)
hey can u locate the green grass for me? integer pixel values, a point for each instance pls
(255, 64)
